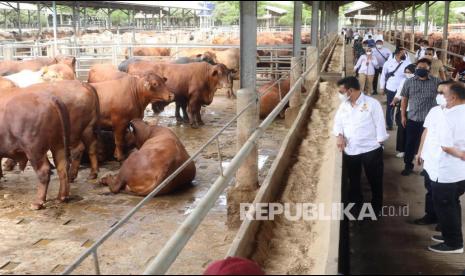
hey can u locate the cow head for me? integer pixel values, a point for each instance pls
(138, 132)
(208, 57)
(156, 89)
(223, 77)
(68, 60)
(50, 75)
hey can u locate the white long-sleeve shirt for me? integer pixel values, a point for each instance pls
(399, 91)
(363, 125)
(364, 68)
(394, 82)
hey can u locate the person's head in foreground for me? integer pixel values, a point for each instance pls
(234, 266)
(349, 89)
(454, 94)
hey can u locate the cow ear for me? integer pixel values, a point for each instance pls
(165, 79)
(215, 73)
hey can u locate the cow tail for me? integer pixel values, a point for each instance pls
(65, 125)
(97, 128)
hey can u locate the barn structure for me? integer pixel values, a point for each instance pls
(391, 245)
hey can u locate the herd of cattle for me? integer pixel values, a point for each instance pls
(43, 108)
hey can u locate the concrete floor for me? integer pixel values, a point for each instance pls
(394, 245)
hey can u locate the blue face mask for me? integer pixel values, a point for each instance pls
(421, 72)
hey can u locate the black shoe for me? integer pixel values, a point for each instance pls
(375, 93)
(406, 172)
(390, 128)
(438, 228)
(426, 220)
(437, 238)
(443, 248)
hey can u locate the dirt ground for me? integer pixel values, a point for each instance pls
(46, 241)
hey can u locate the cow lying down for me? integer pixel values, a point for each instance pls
(159, 154)
(56, 72)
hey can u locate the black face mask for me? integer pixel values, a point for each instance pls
(421, 72)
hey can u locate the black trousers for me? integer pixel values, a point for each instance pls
(375, 80)
(429, 203)
(401, 131)
(449, 211)
(414, 130)
(373, 164)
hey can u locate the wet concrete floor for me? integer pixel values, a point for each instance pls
(46, 241)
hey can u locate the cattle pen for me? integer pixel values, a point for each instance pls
(287, 157)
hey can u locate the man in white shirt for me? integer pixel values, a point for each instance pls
(391, 77)
(430, 151)
(449, 184)
(382, 55)
(361, 131)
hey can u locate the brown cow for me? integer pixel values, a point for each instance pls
(150, 51)
(104, 72)
(82, 103)
(5, 84)
(270, 97)
(160, 154)
(57, 72)
(9, 67)
(194, 84)
(125, 99)
(30, 126)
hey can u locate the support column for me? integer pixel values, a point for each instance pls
(323, 19)
(396, 22)
(39, 21)
(425, 31)
(55, 43)
(247, 175)
(390, 28)
(445, 32)
(412, 39)
(315, 21)
(297, 29)
(19, 19)
(402, 35)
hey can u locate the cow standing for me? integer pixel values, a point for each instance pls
(193, 84)
(125, 99)
(30, 126)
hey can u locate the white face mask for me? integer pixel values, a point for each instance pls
(441, 100)
(343, 97)
(379, 46)
(409, 75)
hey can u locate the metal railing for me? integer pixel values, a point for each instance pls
(171, 250)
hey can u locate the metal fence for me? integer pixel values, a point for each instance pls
(175, 245)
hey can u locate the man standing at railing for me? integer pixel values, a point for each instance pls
(361, 131)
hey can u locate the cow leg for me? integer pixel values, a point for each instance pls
(199, 118)
(119, 141)
(10, 165)
(91, 141)
(76, 155)
(42, 169)
(61, 163)
(113, 182)
(192, 110)
(178, 113)
(184, 111)
(1, 171)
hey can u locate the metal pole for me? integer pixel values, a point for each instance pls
(396, 22)
(425, 32)
(315, 21)
(247, 175)
(297, 29)
(445, 32)
(55, 42)
(412, 40)
(322, 19)
(39, 22)
(19, 18)
(402, 36)
(78, 18)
